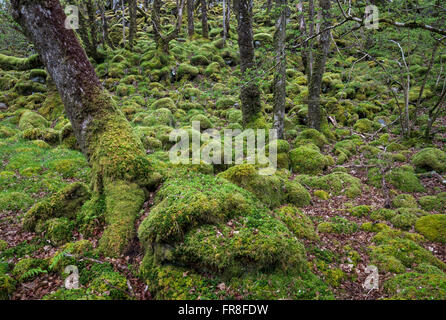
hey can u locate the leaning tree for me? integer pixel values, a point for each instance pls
(120, 170)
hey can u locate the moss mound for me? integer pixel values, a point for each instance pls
(430, 159)
(433, 227)
(272, 190)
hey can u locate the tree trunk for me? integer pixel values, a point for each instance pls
(250, 93)
(314, 88)
(120, 169)
(190, 18)
(162, 40)
(91, 12)
(133, 22)
(225, 33)
(123, 22)
(204, 19)
(309, 69)
(280, 74)
(105, 36)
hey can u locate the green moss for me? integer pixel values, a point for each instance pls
(321, 194)
(395, 254)
(110, 284)
(164, 103)
(404, 221)
(3, 245)
(205, 123)
(361, 211)
(22, 267)
(363, 126)
(31, 120)
(430, 159)
(57, 230)
(199, 60)
(47, 134)
(72, 294)
(297, 222)
(382, 214)
(315, 136)
(374, 227)
(404, 179)
(264, 38)
(433, 227)
(338, 225)
(417, 286)
(404, 201)
(271, 190)
(307, 160)
(430, 203)
(64, 203)
(15, 201)
(185, 70)
(336, 183)
(21, 64)
(7, 286)
(123, 201)
(225, 103)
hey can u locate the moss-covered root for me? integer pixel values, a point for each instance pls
(123, 202)
(20, 64)
(64, 203)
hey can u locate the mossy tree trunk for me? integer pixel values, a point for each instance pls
(133, 23)
(115, 154)
(250, 93)
(204, 19)
(314, 88)
(105, 36)
(280, 74)
(190, 18)
(161, 39)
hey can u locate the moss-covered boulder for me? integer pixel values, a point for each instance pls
(405, 179)
(430, 159)
(315, 136)
(417, 286)
(64, 203)
(214, 231)
(308, 160)
(297, 222)
(433, 227)
(404, 201)
(272, 190)
(336, 183)
(31, 120)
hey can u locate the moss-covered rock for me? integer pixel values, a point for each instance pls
(271, 190)
(430, 159)
(7, 286)
(430, 203)
(31, 120)
(164, 103)
(297, 222)
(417, 286)
(338, 225)
(307, 160)
(433, 227)
(57, 230)
(404, 221)
(361, 211)
(404, 201)
(336, 183)
(64, 203)
(405, 179)
(315, 136)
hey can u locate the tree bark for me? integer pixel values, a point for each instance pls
(162, 40)
(105, 36)
(133, 23)
(280, 74)
(250, 93)
(204, 19)
(115, 154)
(314, 88)
(190, 18)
